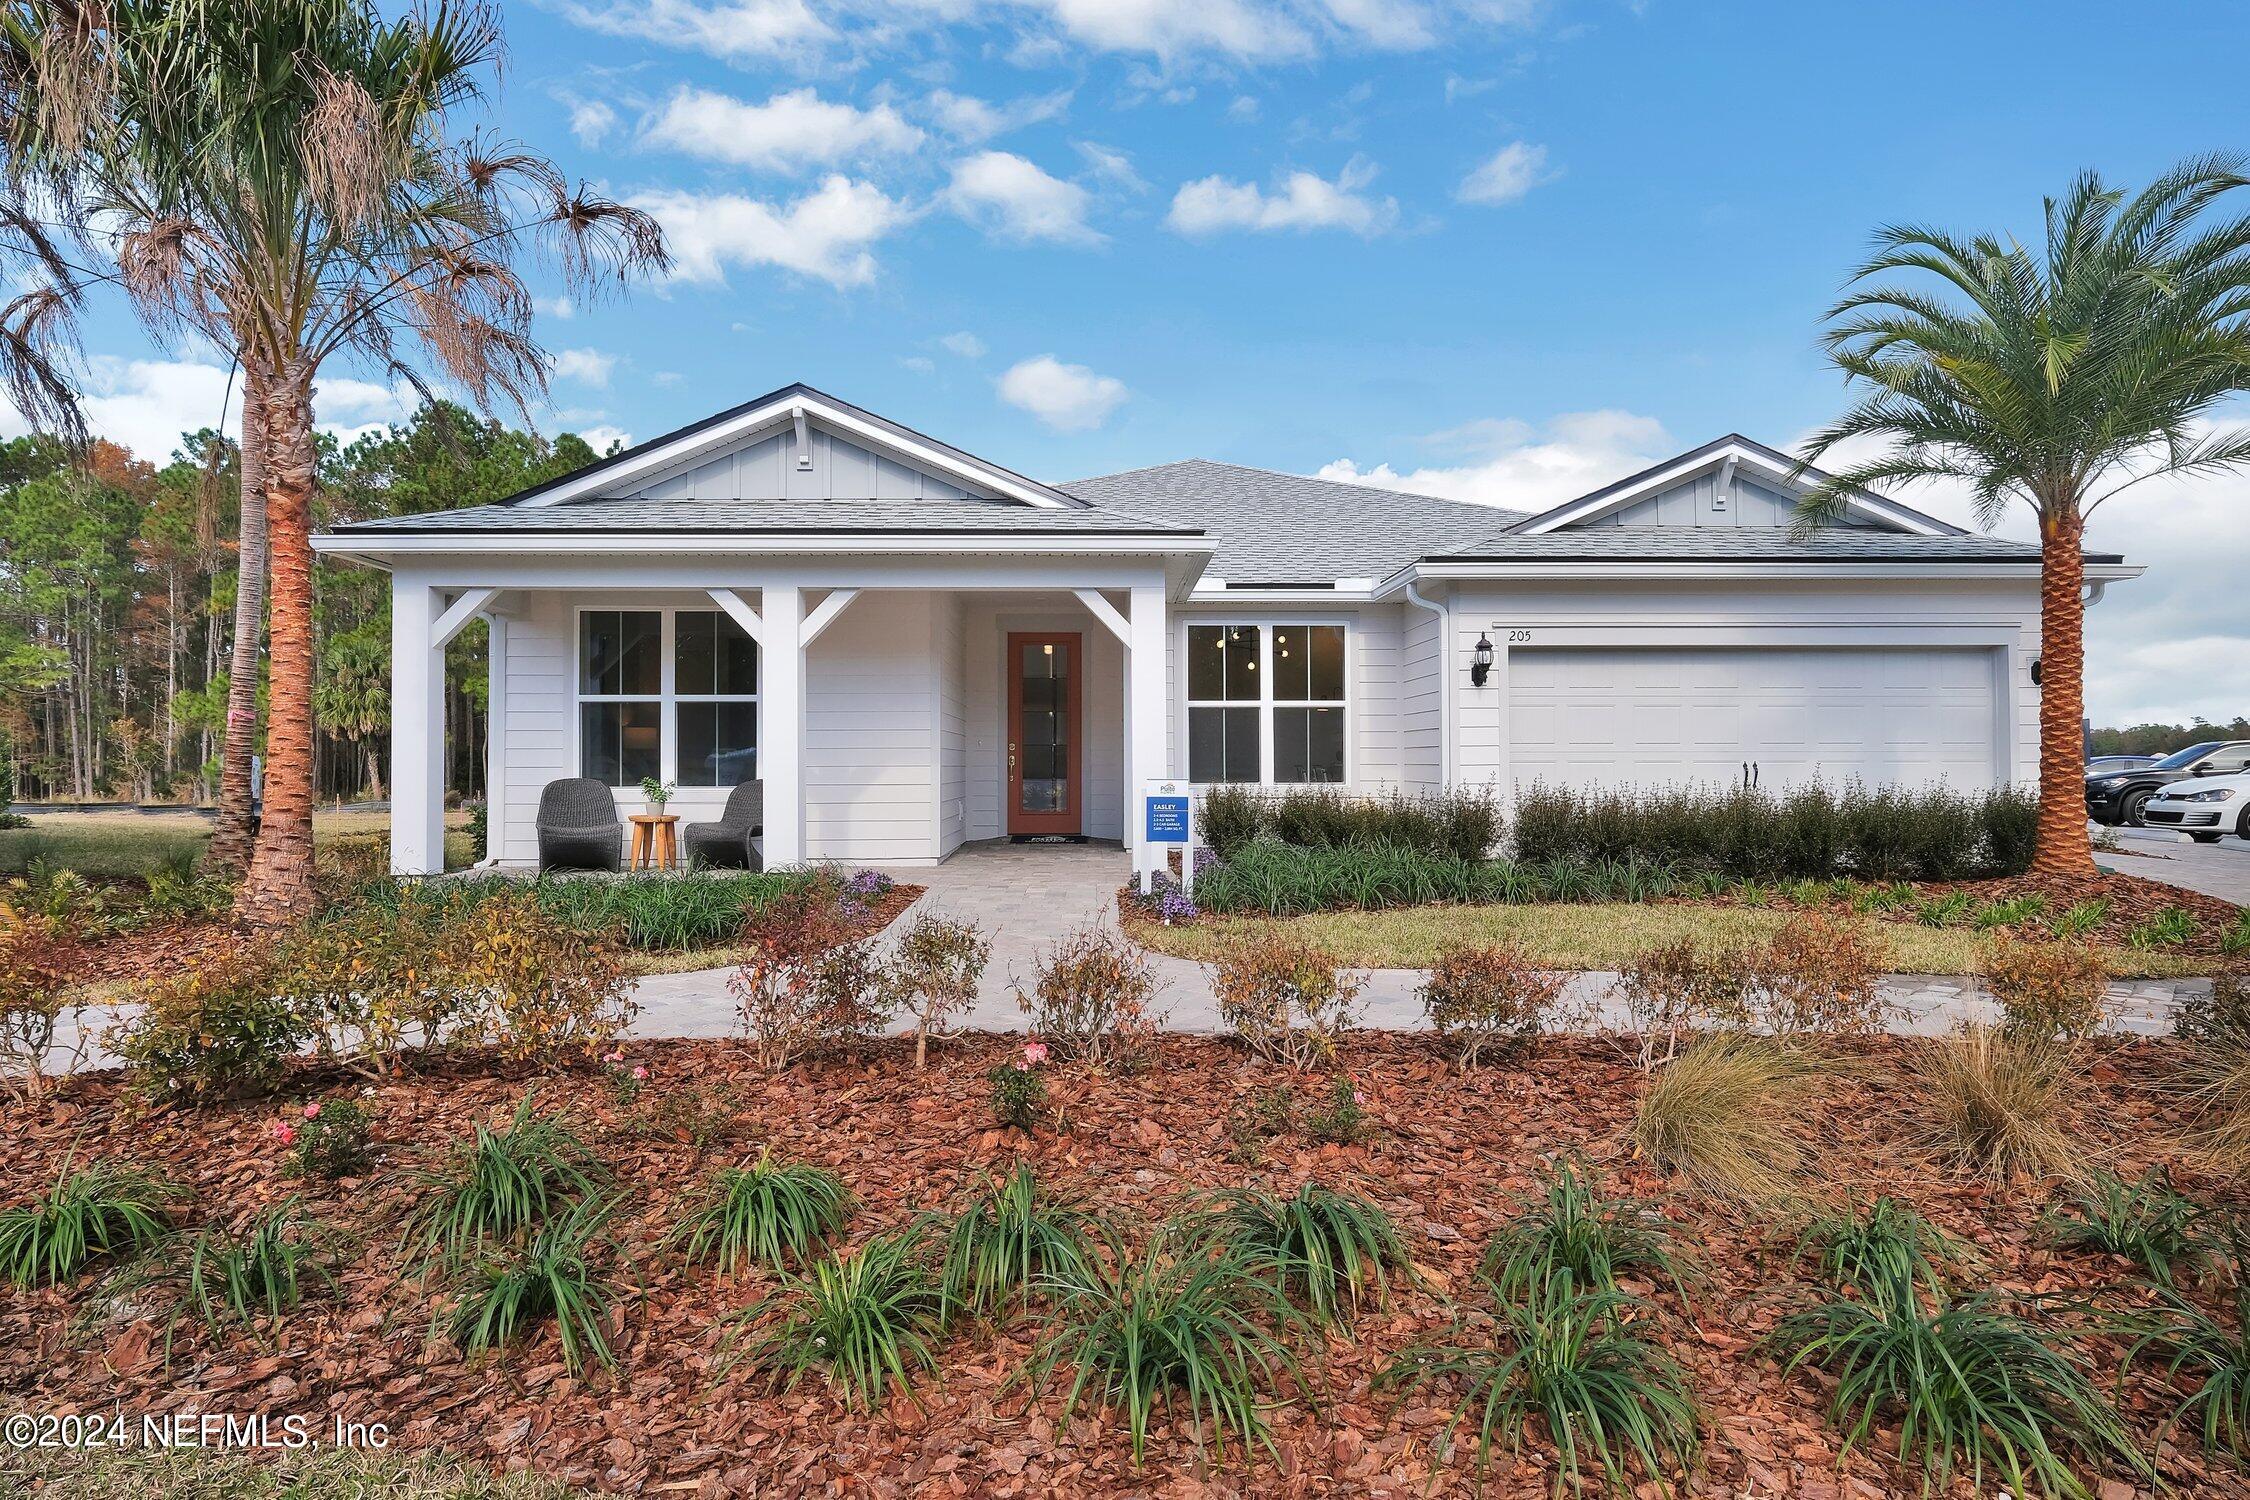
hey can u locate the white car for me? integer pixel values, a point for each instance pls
(2205, 808)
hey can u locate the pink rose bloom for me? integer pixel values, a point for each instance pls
(1359, 1096)
(1034, 1053)
(1022, 1066)
(640, 1072)
(284, 1132)
(312, 1110)
(613, 1057)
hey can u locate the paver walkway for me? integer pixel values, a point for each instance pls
(1025, 896)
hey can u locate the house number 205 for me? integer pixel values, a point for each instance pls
(1516, 637)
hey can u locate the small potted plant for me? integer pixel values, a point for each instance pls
(658, 793)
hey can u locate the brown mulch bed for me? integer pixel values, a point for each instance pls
(1452, 1150)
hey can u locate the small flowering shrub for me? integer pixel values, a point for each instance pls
(224, 1028)
(1285, 998)
(1672, 991)
(807, 978)
(1091, 998)
(1174, 905)
(1343, 1120)
(2046, 990)
(540, 988)
(374, 978)
(32, 976)
(1490, 999)
(1818, 975)
(935, 971)
(332, 1139)
(1019, 1092)
(625, 1079)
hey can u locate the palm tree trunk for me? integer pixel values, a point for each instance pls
(279, 889)
(2061, 850)
(230, 842)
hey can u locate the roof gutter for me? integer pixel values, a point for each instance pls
(1444, 613)
(1772, 570)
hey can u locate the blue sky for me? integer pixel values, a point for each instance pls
(1501, 249)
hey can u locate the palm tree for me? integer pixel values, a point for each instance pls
(2057, 379)
(281, 177)
(232, 840)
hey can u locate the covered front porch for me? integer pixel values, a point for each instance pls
(893, 709)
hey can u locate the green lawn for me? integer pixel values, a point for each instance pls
(119, 1473)
(119, 845)
(1603, 936)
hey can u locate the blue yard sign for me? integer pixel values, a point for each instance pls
(1168, 819)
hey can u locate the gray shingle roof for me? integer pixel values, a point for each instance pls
(1746, 544)
(1287, 529)
(780, 517)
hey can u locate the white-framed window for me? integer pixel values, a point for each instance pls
(1267, 702)
(668, 693)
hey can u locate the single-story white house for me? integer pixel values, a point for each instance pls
(915, 648)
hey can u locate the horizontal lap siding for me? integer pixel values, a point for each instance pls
(871, 732)
(1420, 702)
(953, 712)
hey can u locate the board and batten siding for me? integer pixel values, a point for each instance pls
(1702, 502)
(768, 470)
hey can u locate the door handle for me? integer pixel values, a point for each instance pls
(1011, 755)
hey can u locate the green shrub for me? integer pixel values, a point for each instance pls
(2149, 1222)
(1176, 1331)
(1090, 997)
(260, 1271)
(1282, 880)
(2047, 990)
(1325, 1248)
(34, 974)
(768, 1213)
(331, 1139)
(1571, 1229)
(1229, 816)
(936, 967)
(549, 1274)
(868, 1320)
(1462, 825)
(500, 1184)
(1569, 1359)
(1011, 1238)
(1885, 1245)
(1019, 1089)
(102, 1210)
(224, 1028)
(652, 913)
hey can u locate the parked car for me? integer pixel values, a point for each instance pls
(2102, 765)
(2122, 796)
(2206, 808)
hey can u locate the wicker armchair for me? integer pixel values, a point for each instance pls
(727, 842)
(578, 826)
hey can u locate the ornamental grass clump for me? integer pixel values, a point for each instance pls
(1329, 1250)
(1011, 1237)
(2148, 1221)
(1967, 1382)
(2000, 1105)
(104, 1210)
(769, 1213)
(1185, 1331)
(1285, 999)
(1571, 1228)
(2047, 991)
(1724, 1115)
(548, 1274)
(2203, 1354)
(867, 1320)
(258, 1271)
(1091, 997)
(502, 1184)
(935, 970)
(1571, 1363)
(1492, 999)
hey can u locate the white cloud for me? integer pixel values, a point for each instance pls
(920, 364)
(1509, 173)
(1174, 28)
(788, 133)
(591, 121)
(557, 307)
(734, 29)
(1014, 199)
(146, 405)
(1111, 165)
(1068, 398)
(586, 366)
(602, 435)
(1514, 464)
(824, 234)
(1302, 200)
(967, 345)
(1396, 24)
(1243, 110)
(976, 121)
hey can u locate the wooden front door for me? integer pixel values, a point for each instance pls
(1045, 790)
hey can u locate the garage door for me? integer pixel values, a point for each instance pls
(1651, 717)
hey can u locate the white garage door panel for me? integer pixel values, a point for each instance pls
(1650, 717)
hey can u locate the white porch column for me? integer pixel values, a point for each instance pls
(1145, 715)
(495, 734)
(417, 730)
(781, 723)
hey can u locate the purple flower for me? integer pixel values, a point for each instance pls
(1205, 858)
(867, 883)
(1175, 905)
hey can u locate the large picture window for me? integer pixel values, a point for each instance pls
(671, 694)
(1267, 703)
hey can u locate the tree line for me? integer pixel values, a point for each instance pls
(117, 606)
(2163, 739)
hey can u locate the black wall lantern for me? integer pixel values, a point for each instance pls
(1480, 661)
(2038, 671)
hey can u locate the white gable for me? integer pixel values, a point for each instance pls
(767, 468)
(1732, 483)
(1706, 501)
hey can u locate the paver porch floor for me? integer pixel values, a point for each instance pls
(1025, 896)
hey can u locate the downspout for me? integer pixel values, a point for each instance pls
(1444, 613)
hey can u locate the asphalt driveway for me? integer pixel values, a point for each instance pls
(2221, 869)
